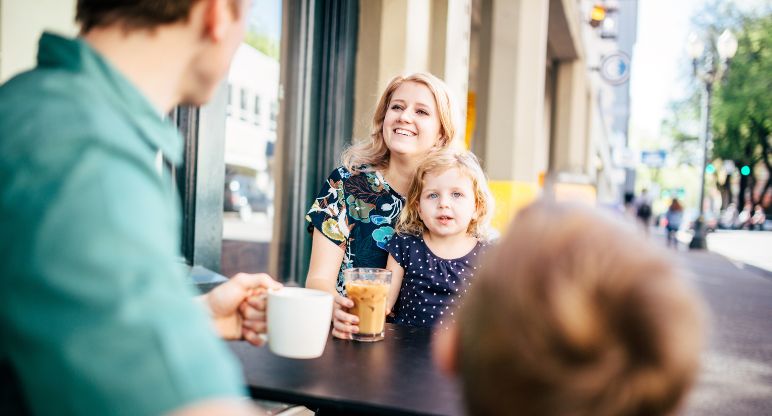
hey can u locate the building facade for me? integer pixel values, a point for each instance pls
(542, 94)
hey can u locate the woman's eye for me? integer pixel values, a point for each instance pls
(396, 107)
(423, 112)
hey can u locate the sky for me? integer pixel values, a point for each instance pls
(658, 75)
(265, 17)
(660, 67)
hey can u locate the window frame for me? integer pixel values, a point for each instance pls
(314, 123)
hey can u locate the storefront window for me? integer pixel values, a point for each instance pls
(250, 183)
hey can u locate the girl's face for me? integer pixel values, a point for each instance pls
(411, 125)
(447, 203)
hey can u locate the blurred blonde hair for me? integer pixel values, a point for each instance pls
(435, 163)
(574, 314)
(373, 151)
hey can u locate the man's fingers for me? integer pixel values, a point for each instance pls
(251, 313)
(259, 327)
(256, 280)
(257, 302)
(253, 338)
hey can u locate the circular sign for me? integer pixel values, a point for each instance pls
(615, 68)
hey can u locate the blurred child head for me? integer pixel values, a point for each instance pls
(437, 163)
(573, 314)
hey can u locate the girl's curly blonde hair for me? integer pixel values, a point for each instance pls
(435, 163)
(373, 151)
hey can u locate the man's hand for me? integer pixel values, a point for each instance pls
(238, 306)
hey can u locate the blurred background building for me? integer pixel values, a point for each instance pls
(541, 84)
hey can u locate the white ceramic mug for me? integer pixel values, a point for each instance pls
(298, 321)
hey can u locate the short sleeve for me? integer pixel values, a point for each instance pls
(102, 320)
(399, 248)
(328, 211)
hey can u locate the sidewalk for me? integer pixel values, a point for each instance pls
(736, 366)
(752, 248)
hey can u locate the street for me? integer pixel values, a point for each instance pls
(258, 227)
(736, 375)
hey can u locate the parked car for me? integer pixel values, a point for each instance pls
(242, 195)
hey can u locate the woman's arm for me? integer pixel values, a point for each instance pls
(326, 258)
(397, 273)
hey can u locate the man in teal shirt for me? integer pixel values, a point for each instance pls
(96, 317)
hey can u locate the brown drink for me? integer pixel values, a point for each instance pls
(368, 288)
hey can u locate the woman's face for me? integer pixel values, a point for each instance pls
(412, 123)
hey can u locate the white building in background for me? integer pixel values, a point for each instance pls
(546, 97)
(609, 49)
(250, 126)
(625, 18)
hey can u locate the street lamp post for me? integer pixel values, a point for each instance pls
(727, 47)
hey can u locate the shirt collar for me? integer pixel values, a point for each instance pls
(78, 56)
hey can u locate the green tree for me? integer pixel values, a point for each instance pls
(263, 43)
(742, 106)
(681, 125)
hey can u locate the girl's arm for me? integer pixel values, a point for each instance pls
(397, 273)
(326, 258)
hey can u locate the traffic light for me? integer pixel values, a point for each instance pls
(745, 170)
(710, 168)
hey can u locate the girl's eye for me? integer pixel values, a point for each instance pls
(457, 194)
(431, 196)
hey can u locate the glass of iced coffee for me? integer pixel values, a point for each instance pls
(368, 288)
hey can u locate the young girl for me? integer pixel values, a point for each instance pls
(442, 233)
(354, 214)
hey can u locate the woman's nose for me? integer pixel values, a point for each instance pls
(405, 116)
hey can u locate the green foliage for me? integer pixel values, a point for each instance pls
(741, 119)
(682, 127)
(263, 43)
(742, 116)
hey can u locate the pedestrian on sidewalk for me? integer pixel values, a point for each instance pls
(674, 216)
(758, 218)
(643, 210)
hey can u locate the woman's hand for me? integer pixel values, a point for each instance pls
(344, 324)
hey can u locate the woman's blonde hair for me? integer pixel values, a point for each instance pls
(435, 163)
(373, 151)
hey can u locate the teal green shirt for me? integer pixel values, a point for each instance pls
(96, 317)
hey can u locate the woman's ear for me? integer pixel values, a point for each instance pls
(445, 349)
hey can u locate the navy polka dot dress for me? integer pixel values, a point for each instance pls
(431, 286)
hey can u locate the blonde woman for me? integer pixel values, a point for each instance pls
(354, 214)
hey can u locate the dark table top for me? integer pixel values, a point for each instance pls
(395, 376)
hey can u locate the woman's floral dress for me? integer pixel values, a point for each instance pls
(357, 212)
